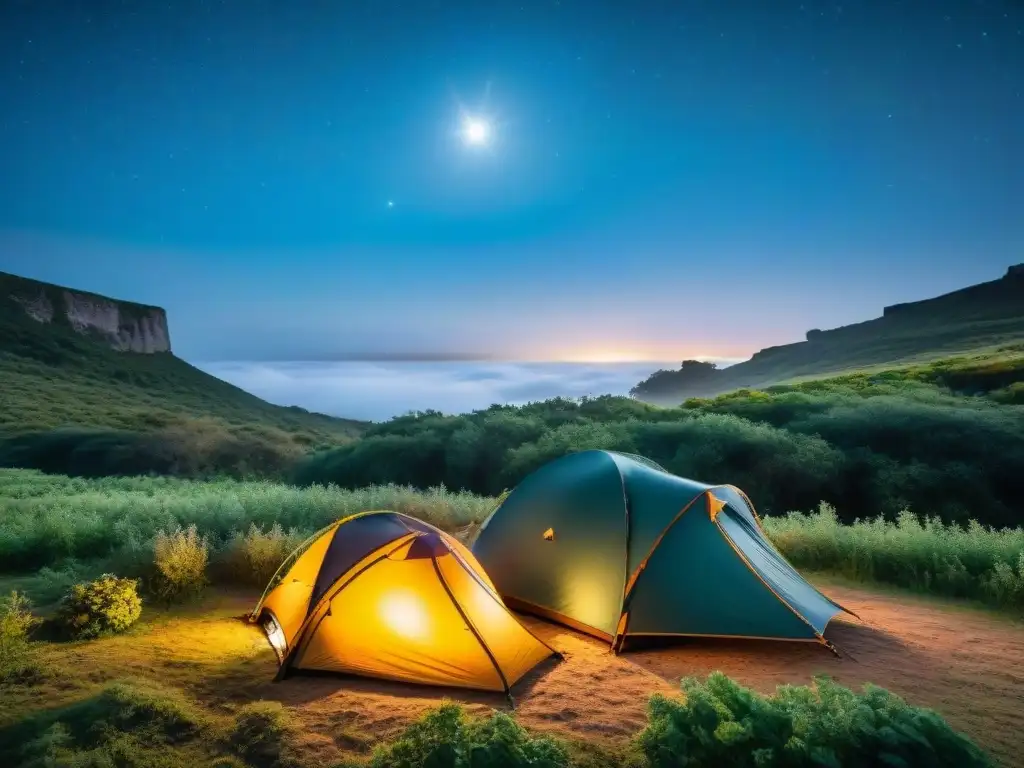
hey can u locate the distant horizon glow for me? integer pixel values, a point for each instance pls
(445, 359)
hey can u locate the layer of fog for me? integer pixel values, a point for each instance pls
(380, 390)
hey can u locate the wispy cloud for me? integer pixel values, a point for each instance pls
(380, 390)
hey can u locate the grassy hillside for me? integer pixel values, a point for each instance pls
(945, 439)
(982, 318)
(71, 403)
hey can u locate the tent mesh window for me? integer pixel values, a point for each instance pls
(352, 542)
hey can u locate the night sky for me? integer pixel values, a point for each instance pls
(661, 179)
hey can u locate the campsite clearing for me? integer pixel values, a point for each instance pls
(968, 664)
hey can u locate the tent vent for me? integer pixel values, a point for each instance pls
(549, 534)
(715, 506)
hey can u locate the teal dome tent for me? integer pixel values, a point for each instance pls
(614, 546)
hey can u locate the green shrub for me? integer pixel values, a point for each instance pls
(107, 605)
(130, 724)
(447, 737)
(180, 558)
(1004, 585)
(17, 653)
(719, 722)
(260, 733)
(253, 558)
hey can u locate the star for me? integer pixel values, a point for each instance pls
(391, 203)
(476, 131)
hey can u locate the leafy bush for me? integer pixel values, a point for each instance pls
(109, 604)
(260, 732)
(180, 558)
(722, 723)
(445, 736)
(253, 558)
(1004, 585)
(130, 723)
(17, 657)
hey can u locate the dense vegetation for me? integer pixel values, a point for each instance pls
(72, 528)
(67, 524)
(139, 722)
(716, 723)
(924, 555)
(944, 440)
(71, 404)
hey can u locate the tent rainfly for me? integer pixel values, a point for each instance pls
(381, 594)
(615, 546)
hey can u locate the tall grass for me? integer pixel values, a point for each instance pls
(52, 522)
(46, 520)
(920, 554)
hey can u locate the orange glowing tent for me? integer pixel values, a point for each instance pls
(382, 594)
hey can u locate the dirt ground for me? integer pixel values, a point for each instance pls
(967, 664)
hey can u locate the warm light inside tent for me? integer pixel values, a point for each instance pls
(588, 596)
(404, 613)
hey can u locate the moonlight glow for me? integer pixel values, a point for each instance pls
(476, 131)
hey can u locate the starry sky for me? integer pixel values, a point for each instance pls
(663, 179)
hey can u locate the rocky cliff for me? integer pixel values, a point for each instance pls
(975, 317)
(122, 325)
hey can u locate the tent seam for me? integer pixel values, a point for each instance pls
(497, 598)
(625, 574)
(254, 614)
(785, 559)
(300, 636)
(761, 578)
(635, 577)
(472, 627)
(657, 541)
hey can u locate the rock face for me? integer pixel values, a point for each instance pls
(127, 331)
(124, 326)
(982, 315)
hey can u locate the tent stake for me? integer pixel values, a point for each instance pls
(848, 655)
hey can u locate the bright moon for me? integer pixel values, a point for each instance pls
(476, 131)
